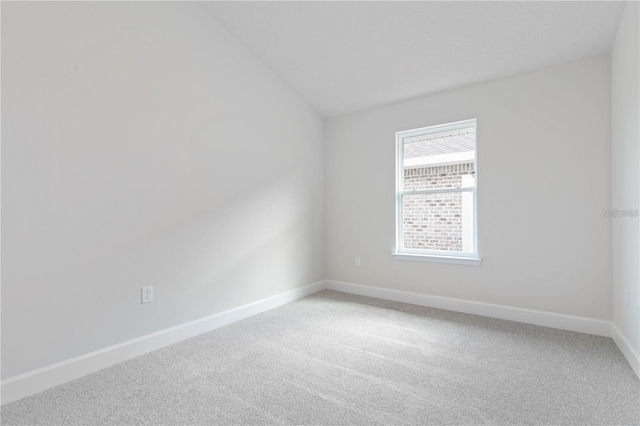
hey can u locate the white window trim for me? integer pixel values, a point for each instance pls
(460, 260)
(442, 256)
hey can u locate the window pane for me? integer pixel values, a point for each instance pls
(440, 160)
(441, 221)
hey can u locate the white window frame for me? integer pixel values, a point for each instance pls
(443, 256)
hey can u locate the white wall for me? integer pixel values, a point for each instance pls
(625, 134)
(143, 145)
(544, 180)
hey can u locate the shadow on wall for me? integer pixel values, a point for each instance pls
(255, 245)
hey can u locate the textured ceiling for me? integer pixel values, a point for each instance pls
(344, 57)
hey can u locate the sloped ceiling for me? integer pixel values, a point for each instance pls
(344, 57)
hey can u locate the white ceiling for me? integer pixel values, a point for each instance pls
(344, 57)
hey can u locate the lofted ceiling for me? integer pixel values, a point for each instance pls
(343, 57)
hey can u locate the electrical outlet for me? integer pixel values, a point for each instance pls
(357, 261)
(626, 298)
(147, 294)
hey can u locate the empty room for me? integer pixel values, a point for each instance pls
(320, 213)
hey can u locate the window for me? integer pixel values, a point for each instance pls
(436, 194)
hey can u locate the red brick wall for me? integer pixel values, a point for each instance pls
(434, 221)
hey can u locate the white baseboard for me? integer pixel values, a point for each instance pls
(625, 347)
(528, 316)
(35, 381)
(23, 385)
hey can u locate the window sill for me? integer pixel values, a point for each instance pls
(460, 260)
